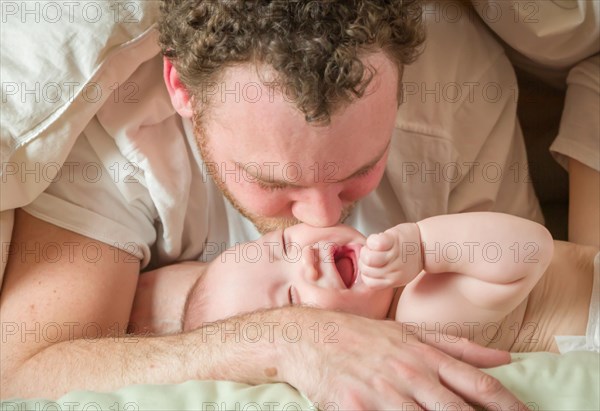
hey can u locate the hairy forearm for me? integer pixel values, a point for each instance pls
(218, 351)
(492, 247)
(100, 365)
(310, 351)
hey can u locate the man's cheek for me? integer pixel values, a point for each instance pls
(363, 186)
(259, 201)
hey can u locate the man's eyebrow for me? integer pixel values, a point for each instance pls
(275, 181)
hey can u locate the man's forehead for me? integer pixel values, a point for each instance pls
(262, 131)
(255, 83)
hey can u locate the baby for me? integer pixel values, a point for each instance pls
(489, 277)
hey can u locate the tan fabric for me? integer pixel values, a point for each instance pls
(60, 62)
(579, 134)
(557, 41)
(553, 34)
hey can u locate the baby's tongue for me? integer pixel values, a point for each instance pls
(346, 269)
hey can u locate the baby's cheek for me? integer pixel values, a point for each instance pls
(327, 301)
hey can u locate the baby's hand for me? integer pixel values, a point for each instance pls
(392, 258)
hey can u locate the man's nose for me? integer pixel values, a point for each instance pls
(319, 206)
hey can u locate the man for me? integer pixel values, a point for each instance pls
(291, 108)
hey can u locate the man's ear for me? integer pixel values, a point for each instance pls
(180, 97)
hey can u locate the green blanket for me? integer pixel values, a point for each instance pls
(543, 381)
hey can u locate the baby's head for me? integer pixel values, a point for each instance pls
(299, 265)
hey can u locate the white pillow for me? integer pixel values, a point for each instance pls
(61, 61)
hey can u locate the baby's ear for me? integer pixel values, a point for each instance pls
(180, 97)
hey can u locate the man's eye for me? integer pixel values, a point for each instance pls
(270, 187)
(365, 172)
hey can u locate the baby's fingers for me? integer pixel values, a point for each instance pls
(376, 284)
(380, 242)
(375, 278)
(374, 259)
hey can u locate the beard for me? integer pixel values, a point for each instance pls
(263, 224)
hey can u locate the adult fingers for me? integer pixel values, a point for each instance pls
(432, 396)
(424, 383)
(477, 387)
(464, 350)
(392, 399)
(457, 371)
(380, 392)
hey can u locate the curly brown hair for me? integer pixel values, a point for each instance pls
(314, 46)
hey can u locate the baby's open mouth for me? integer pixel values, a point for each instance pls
(345, 262)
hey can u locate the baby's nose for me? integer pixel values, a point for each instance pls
(309, 263)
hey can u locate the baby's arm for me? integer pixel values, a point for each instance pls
(476, 266)
(492, 247)
(160, 298)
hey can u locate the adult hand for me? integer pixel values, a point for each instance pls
(347, 362)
